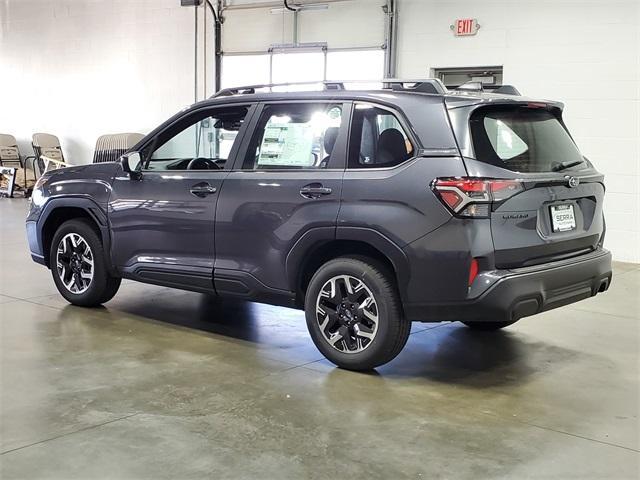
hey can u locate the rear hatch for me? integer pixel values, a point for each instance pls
(554, 209)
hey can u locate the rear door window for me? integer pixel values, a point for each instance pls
(295, 136)
(522, 139)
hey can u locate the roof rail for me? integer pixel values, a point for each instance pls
(249, 89)
(424, 85)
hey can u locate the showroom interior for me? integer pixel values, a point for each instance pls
(163, 382)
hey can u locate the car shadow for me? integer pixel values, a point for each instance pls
(237, 319)
(449, 353)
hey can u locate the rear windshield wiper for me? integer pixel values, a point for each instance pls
(565, 165)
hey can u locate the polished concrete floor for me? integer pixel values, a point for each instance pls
(167, 384)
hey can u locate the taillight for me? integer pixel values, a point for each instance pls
(472, 197)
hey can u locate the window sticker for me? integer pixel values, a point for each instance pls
(287, 144)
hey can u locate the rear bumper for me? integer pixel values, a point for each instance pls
(523, 292)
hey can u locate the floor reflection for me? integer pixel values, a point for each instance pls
(454, 354)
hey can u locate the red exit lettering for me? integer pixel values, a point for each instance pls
(465, 26)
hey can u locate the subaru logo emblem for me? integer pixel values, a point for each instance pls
(573, 182)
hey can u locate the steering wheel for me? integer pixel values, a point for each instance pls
(200, 163)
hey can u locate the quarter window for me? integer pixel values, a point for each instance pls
(298, 136)
(377, 139)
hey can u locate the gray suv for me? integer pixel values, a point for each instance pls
(367, 209)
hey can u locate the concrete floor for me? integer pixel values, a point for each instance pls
(167, 384)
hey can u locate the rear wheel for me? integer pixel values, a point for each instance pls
(488, 326)
(78, 265)
(354, 315)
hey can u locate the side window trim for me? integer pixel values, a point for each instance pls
(399, 116)
(149, 145)
(340, 146)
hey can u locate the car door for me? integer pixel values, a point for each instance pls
(162, 216)
(286, 185)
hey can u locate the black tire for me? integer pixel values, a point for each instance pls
(392, 329)
(102, 287)
(488, 326)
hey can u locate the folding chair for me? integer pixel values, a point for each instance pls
(111, 146)
(10, 154)
(48, 152)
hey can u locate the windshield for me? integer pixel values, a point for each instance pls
(522, 139)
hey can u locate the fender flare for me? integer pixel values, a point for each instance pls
(316, 237)
(93, 210)
(386, 246)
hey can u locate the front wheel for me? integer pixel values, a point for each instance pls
(488, 326)
(354, 315)
(78, 265)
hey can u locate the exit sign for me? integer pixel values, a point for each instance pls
(465, 26)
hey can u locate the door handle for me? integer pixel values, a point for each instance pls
(202, 189)
(315, 190)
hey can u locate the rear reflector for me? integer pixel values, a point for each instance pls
(473, 270)
(472, 197)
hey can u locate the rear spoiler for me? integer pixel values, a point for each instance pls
(459, 101)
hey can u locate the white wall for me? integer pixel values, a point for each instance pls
(82, 68)
(585, 53)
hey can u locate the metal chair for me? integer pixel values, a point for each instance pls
(111, 146)
(48, 152)
(10, 154)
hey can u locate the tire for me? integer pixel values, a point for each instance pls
(78, 289)
(488, 326)
(355, 341)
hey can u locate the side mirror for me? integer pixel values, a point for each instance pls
(131, 163)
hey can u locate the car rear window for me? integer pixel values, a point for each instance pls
(522, 139)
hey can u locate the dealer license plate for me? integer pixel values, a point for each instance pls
(563, 218)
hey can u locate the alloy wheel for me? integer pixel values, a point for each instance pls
(347, 314)
(74, 261)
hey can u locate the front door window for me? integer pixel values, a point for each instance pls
(202, 141)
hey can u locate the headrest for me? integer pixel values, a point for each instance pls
(330, 137)
(391, 147)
